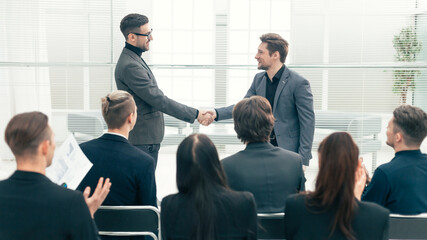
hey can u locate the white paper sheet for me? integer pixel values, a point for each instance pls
(69, 165)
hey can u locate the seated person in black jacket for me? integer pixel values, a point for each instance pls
(33, 207)
(112, 155)
(270, 173)
(333, 210)
(205, 208)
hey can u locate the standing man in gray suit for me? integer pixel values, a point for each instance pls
(133, 75)
(270, 173)
(289, 95)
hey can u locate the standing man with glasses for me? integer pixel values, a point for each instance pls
(133, 75)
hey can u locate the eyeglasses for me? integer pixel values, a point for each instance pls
(148, 35)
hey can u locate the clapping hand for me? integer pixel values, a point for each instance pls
(361, 179)
(98, 196)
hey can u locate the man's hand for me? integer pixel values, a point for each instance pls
(205, 117)
(212, 113)
(98, 196)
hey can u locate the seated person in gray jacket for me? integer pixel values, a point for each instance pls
(270, 173)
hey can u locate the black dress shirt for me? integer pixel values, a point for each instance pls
(271, 85)
(270, 93)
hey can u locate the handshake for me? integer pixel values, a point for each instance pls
(206, 117)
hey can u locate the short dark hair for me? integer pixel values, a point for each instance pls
(253, 119)
(276, 43)
(116, 107)
(412, 121)
(26, 131)
(131, 23)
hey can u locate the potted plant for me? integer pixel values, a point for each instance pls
(407, 48)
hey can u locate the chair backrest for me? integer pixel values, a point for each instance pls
(128, 221)
(408, 226)
(90, 123)
(271, 226)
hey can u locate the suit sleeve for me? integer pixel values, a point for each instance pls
(304, 106)
(227, 112)
(302, 181)
(145, 88)
(82, 225)
(230, 174)
(378, 189)
(147, 185)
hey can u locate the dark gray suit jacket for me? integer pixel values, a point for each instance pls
(134, 76)
(293, 110)
(270, 173)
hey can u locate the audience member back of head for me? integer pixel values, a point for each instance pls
(270, 173)
(205, 208)
(332, 211)
(31, 206)
(112, 155)
(399, 185)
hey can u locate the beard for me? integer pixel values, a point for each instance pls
(145, 48)
(390, 144)
(263, 67)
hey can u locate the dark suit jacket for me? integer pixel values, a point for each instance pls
(371, 221)
(32, 207)
(130, 170)
(293, 110)
(270, 173)
(236, 216)
(134, 76)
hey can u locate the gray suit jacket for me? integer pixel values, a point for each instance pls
(293, 110)
(134, 76)
(270, 173)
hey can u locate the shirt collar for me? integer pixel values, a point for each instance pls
(138, 51)
(118, 134)
(418, 151)
(278, 74)
(27, 175)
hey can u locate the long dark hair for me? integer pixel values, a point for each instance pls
(200, 174)
(338, 161)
